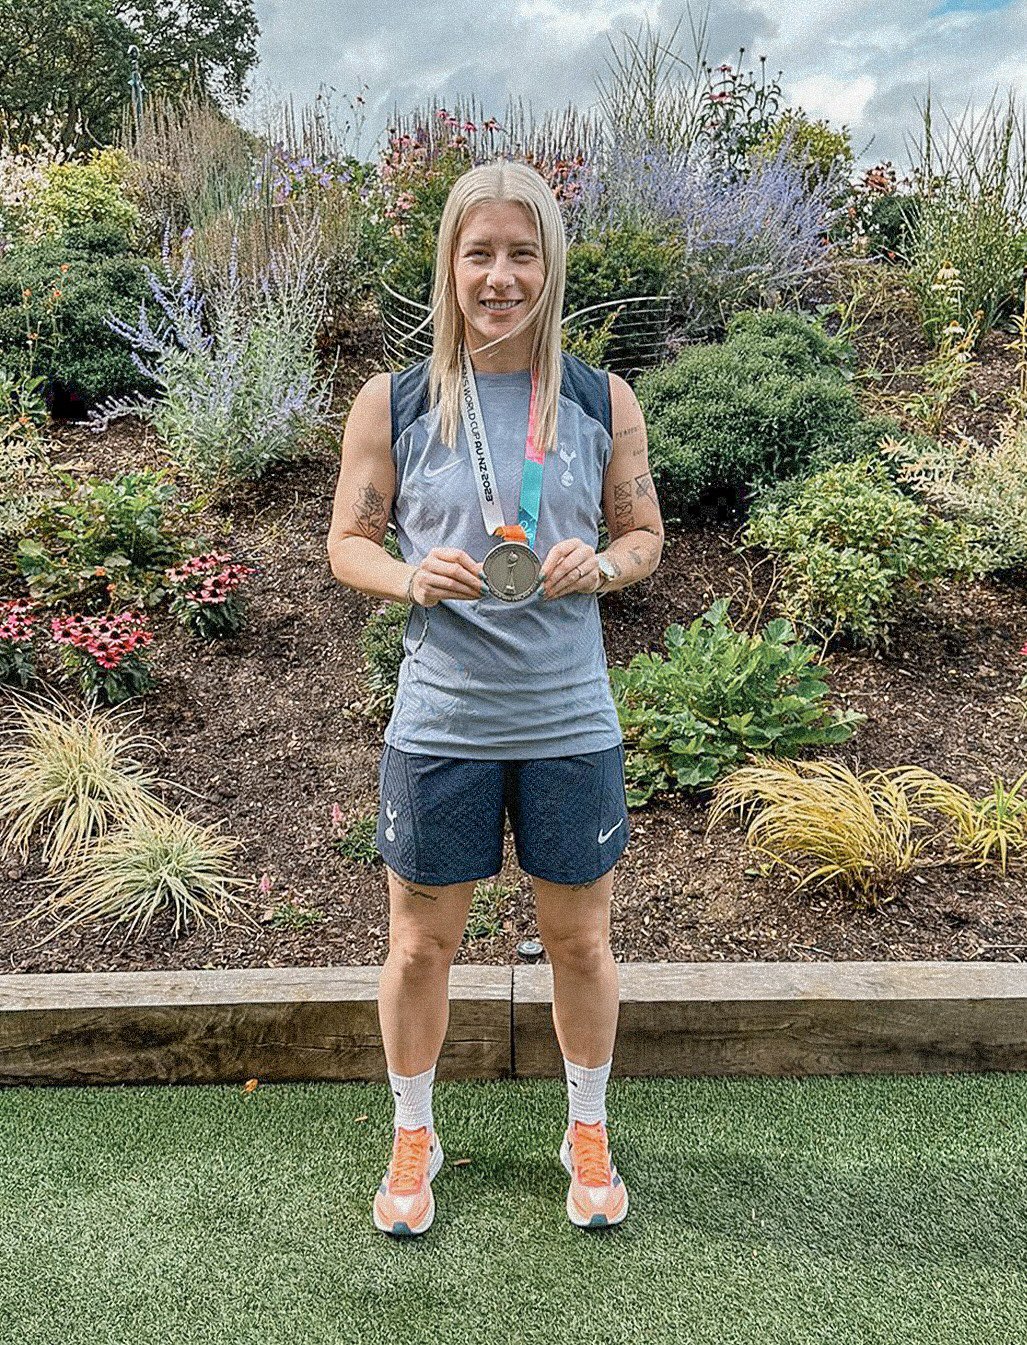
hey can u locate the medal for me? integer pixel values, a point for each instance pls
(512, 569)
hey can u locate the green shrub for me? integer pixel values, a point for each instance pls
(124, 532)
(854, 550)
(382, 644)
(73, 197)
(690, 717)
(773, 399)
(824, 152)
(55, 297)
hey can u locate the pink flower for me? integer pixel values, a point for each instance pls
(336, 816)
(1023, 651)
(265, 884)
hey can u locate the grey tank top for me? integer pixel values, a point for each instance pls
(498, 680)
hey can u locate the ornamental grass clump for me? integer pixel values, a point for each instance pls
(67, 776)
(978, 828)
(719, 693)
(856, 831)
(153, 863)
(105, 655)
(206, 597)
(17, 631)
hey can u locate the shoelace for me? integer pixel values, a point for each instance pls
(591, 1155)
(409, 1161)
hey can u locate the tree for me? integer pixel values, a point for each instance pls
(71, 60)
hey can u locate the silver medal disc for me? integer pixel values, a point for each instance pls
(512, 571)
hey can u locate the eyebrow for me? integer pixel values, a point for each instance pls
(487, 242)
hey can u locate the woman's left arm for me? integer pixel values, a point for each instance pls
(630, 507)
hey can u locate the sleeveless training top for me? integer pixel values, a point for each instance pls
(491, 679)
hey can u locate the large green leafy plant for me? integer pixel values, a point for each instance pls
(689, 717)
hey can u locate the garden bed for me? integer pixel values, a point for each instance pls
(267, 727)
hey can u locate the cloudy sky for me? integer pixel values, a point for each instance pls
(864, 63)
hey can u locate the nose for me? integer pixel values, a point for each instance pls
(498, 277)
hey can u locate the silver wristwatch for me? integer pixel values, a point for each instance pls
(607, 573)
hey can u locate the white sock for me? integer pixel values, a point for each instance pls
(586, 1092)
(413, 1099)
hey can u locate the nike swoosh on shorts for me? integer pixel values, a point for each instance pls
(605, 835)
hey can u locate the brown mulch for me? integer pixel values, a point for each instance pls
(268, 728)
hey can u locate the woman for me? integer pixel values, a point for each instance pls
(503, 704)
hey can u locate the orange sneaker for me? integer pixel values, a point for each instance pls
(404, 1204)
(597, 1197)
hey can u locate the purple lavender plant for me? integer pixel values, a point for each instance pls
(748, 239)
(236, 368)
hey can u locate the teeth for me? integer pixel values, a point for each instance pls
(507, 303)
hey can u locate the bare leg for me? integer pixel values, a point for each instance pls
(575, 926)
(426, 925)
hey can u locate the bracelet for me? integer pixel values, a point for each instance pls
(410, 590)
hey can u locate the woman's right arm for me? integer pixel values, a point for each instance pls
(363, 502)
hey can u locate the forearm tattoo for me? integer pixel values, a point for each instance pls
(623, 511)
(371, 514)
(644, 488)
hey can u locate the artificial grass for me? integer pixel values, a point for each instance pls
(764, 1212)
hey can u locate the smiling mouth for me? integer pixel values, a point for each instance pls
(499, 306)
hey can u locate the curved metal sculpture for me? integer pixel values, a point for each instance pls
(638, 336)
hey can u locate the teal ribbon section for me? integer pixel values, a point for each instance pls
(531, 495)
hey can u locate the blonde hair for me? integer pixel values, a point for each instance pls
(501, 180)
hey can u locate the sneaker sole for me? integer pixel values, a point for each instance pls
(597, 1220)
(401, 1229)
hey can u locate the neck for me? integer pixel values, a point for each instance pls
(511, 357)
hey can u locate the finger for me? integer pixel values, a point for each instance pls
(445, 586)
(468, 581)
(576, 560)
(580, 580)
(454, 556)
(556, 554)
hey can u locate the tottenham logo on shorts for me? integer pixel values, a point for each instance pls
(567, 479)
(391, 813)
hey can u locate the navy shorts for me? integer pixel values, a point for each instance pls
(441, 819)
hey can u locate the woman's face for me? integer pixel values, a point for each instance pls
(498, 258)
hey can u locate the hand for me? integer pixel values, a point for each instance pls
(570, 567)
(447, 572)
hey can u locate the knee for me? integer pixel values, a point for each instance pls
(421, 956)
(586, 952)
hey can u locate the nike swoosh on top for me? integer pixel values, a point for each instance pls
(437, 471)
(605, 835)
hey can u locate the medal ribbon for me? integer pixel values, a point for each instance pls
(484, 474)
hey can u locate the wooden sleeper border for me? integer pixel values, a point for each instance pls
(676, 1019)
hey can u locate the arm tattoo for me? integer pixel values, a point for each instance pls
(636, 556)
(644, 487)
(370, 513)
(623, 512)
(626, 433)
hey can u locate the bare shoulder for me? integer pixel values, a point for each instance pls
(626, 414)
(372, 404)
